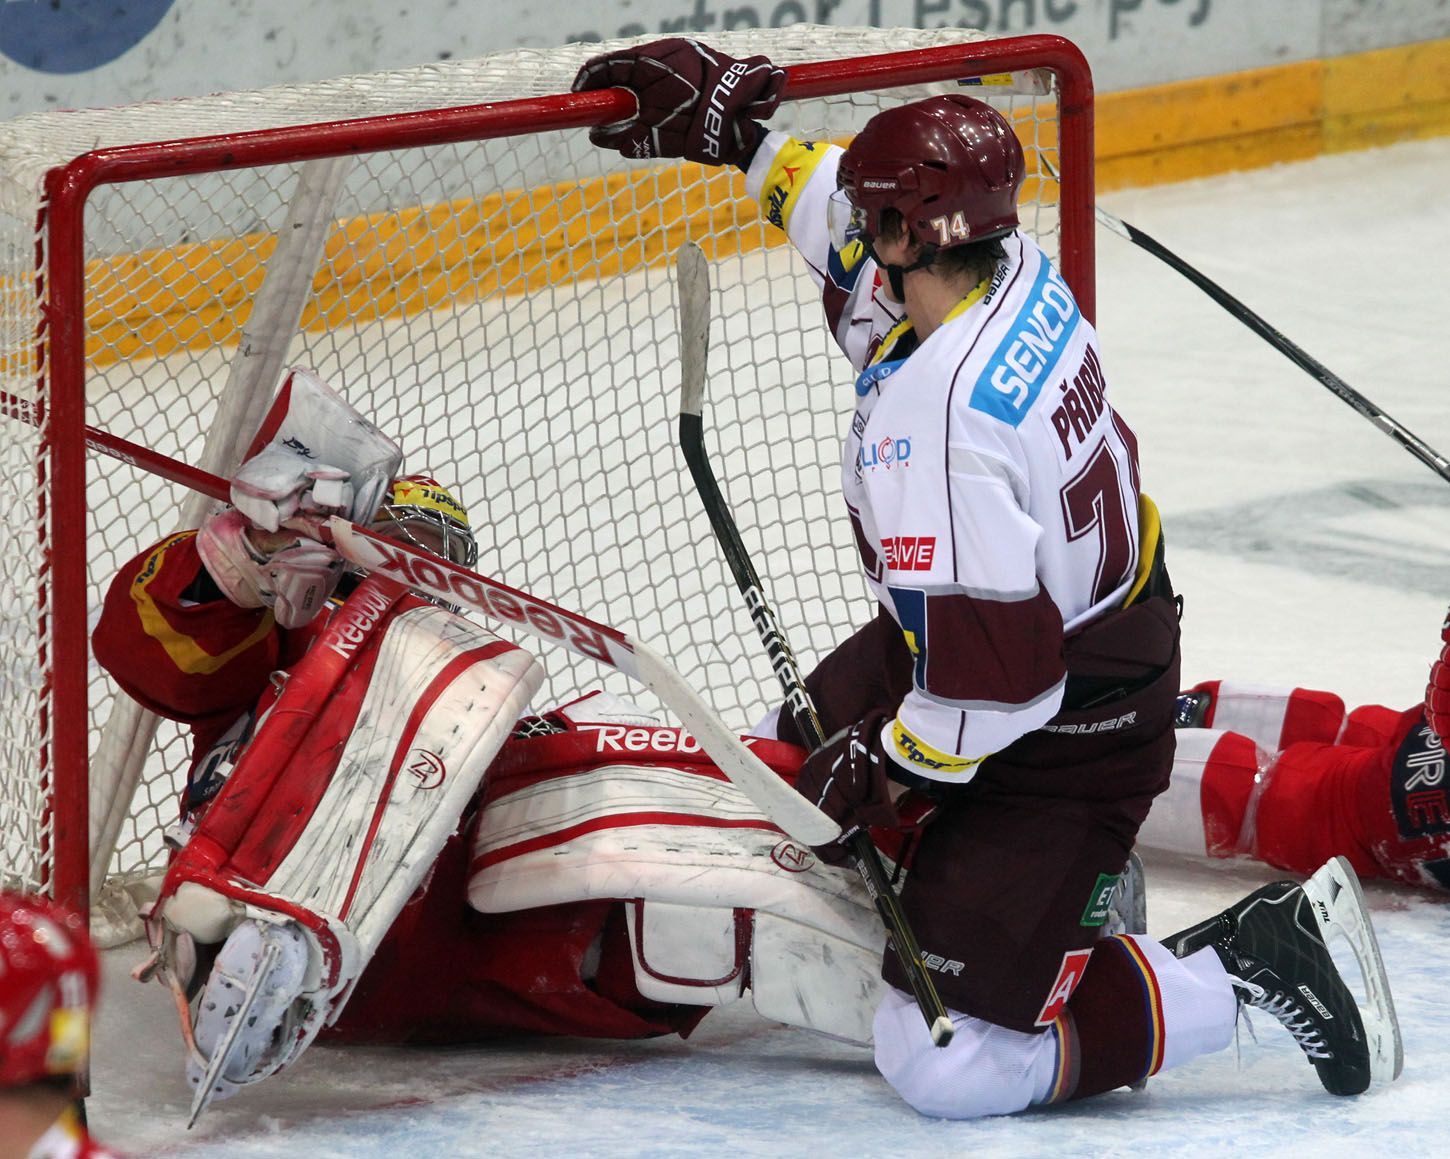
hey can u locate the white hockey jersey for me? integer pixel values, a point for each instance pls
(992, 489)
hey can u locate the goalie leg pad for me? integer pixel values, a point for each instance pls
(639, 813)
(344, 797)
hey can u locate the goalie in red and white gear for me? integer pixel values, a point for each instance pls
(1290, 777)
(48, 982)
(345, 869)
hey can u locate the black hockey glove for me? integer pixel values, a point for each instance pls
(694, 102)
(846, 778)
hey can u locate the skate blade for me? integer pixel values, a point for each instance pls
(221, 1054)
(1338, 904)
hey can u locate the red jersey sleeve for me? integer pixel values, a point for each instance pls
(197, 662)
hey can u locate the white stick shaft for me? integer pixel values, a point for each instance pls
(555, 625)
(693, 279)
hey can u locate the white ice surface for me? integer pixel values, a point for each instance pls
(1311, 549)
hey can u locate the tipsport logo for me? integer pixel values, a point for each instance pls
(886, 454)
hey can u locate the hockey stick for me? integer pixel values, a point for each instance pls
(1296, 354)
(693, 277)
(438, 577)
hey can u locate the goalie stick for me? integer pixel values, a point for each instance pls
(693, 277)
(1270, 334)
(422, 571)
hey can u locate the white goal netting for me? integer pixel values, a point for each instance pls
(504, 308)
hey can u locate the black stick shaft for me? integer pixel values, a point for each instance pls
(1296, 354)
(694, 341)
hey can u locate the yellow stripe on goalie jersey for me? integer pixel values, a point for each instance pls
(912, 751)
(789, 173)
(188, 656)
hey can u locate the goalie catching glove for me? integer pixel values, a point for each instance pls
(693, 101)
(266, 569)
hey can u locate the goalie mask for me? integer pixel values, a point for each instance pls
(48, 979)
(424, 514)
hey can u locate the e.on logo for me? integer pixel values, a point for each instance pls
(909, 552)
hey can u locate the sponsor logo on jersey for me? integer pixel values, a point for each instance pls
(1100, 902)
(909, 552)
(1069, 974)
(911, 750)
(789, 174)
(775, 205)
(1417, 785)
(1034, 343)
(870, 378)
(884, 454)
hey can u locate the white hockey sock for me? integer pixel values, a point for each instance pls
(1200, 1008)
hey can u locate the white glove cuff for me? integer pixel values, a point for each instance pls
(231, 560)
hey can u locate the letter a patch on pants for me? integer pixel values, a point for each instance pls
(1074, 964)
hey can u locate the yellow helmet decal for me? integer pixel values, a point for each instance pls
(425, 493)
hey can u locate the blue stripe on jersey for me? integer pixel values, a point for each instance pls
(874, 374)
(910, 605)
(1035, 341)
(844, 266)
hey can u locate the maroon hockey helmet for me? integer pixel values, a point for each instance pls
(950, 165)
(48, 980)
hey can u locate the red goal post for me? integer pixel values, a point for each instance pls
(445, 247)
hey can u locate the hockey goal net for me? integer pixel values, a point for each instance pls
(446, 248)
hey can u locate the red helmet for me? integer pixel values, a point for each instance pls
(48, 980)
(950, 165)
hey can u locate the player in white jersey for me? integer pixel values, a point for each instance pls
(1023, 669)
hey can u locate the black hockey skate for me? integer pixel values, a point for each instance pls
(1274, 947)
